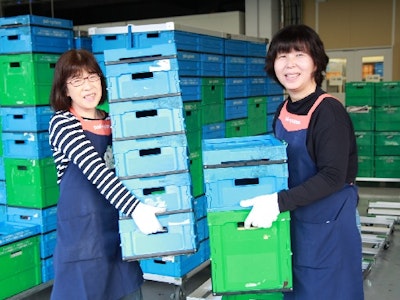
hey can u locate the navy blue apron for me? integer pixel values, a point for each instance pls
(87, 258)
(326, 243)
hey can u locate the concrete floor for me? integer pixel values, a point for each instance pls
(382, 282)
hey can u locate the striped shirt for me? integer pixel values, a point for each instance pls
(69, 144)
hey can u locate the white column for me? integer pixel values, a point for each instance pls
(262, 18)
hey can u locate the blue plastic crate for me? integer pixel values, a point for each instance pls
(273, 87)
(257, 86)
(211, 44)
(3, 212)
(189, 63)
(257, 49)
(100, 60)
(47, 244)
(270, 119)
(26, 118)
(200, 207)
(172, 191)
(178, 237)
(46, 218)
(146, 118)
(117, 56)
(226, 187)
(213, 131)
(212, 65)
(176, 266)
(35, 39)
(235, 66)
(202, 232)
(29, 145)
(151, 156)
(273, 103)
(190, 88)
(47, 269)
(236, 87)
(235, 45)
(2, 168)
(83, 42)
(235, 108)
(111, 38)
(23, 20)
(255, 66)
(143, 80)
(15, 231)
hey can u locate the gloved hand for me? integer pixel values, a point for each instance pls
(145, 218)
(265, 210)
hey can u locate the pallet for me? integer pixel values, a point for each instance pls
(390, 210)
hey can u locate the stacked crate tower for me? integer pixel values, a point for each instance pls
(375, 111)
(252, 262)
(29, 48)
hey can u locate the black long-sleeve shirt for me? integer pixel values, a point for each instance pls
(331, 144)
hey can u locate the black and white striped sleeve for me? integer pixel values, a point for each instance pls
(68, 141)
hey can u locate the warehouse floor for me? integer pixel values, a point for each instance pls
(381, 282)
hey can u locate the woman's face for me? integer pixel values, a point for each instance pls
(294, 71)
(85, 91)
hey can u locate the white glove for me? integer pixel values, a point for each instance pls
(265, 210)
(145, 218)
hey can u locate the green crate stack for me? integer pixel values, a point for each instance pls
(387, 129)
(212, 100)
(20, 266)
(257, 115)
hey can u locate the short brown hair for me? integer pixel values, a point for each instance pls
(72, 63)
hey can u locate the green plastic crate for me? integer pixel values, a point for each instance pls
(269, 296)
(387, 93)
(387, 166)
(35, 179)
(213, 90)
(213, 113)
(196, 173)
(256, 107)
(387, 118)
(266, 266)
(365, 142)
(366, 166)
(236, 128)
(387, 143)
(360, 93)
(363, 117)
(192, 113)
(20, 266)
(34, 70)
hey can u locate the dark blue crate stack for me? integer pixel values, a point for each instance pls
(29, 48)
(150, 146)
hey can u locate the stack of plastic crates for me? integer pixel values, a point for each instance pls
(29, 49)
(254, 260)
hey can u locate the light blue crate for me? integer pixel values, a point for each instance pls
(178, 237)
(15, 231)
(182, 40)
(255, 66)
(3, 192)
(146, 118)
(172, 191)
(22, 20)
(273, 103)
(143, 80)
(47, 244)
(46, 218)
(190, 88)
(235, 108)
(226, 187)
(213, 131)
(35, 39)
(243, 149)
(2, 168)
(100, 60)
(3, 212)
(176, 266)
(47, 269)
(29, 145)
(103, 42)
(212, 65)
(26, 118)
(236, 87)
(235, 66)
(151, 156)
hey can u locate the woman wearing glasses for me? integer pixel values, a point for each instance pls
(87, 258)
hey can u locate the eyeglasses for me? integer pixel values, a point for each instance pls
(80, 81)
